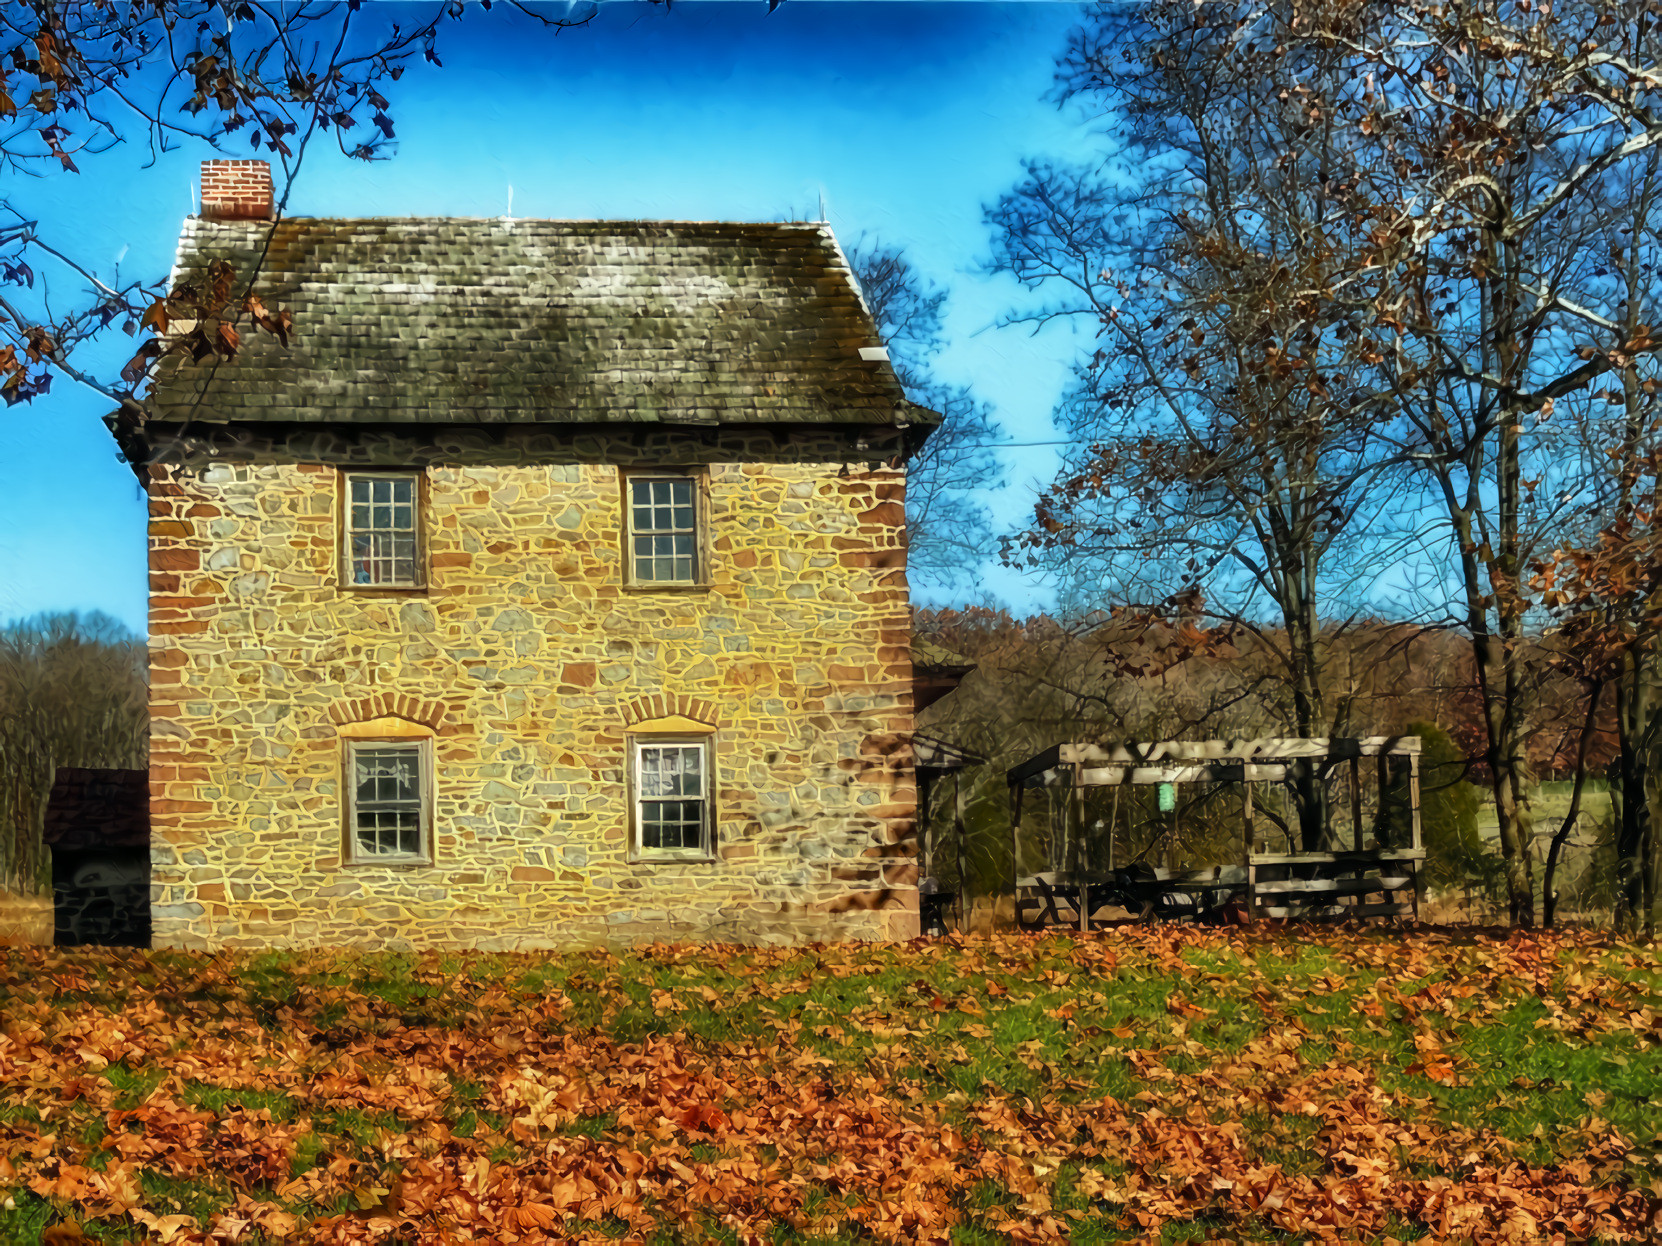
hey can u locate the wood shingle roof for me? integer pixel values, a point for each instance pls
(531, 321)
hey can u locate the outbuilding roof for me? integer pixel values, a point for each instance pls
(529, 321)
(98, 809)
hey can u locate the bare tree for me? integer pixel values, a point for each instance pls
(1222, 437)
(948, 529)
(1421, 198)
(1499, 141)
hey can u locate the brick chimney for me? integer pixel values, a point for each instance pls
(236, 190)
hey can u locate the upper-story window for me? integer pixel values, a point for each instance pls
(663, 537)
(383, 530)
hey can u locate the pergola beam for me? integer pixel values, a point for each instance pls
(1146, 759)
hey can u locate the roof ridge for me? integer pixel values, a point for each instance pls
(524, 220)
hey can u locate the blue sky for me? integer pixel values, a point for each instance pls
(907, 115)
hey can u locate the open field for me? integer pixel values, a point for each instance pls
(1148, 1083)
(1549, 803)
(25, 919)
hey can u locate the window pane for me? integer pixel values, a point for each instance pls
(652, 773)
(663, 529)
(691, 776)
(360, 560)
(360, 491)
(671, 823)
(671, 789)
(387, 832)
(387, 790)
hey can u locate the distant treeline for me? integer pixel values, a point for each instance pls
(72, 693)
(1127, 677)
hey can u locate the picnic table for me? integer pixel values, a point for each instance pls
(1144, 890)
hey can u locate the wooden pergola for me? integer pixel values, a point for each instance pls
(1294, 882)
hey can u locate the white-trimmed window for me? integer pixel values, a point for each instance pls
(382, 533)
(672, 797)
(663, 536)
(388, 811)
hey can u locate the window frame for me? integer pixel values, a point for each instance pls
(422, 747)
(416, 475)
(706, 851)
(698, 477)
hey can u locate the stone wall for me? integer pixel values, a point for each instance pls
(527, 657)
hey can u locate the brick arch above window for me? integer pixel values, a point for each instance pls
(664, 705)
(384, 705)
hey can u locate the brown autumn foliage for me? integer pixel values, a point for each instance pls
(1129, 676)
(505, 1098)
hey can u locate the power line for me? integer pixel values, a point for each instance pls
(1013, 445)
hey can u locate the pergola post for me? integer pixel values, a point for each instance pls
(1015, 851)
(1414, 825)
(1356, 818)
(1082, 868)
(958, 839)
(926, 827)
(1113, 829)
(1247, 845)
(1356, 803)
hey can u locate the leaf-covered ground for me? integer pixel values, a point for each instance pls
(1144, 1083)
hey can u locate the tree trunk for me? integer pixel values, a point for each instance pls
(1298, 611)
(1508, 772)
(1633, 830)
(1549, 876)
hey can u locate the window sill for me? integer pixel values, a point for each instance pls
(667, 588)
(669, 858)
(383, 590)
(394, 863)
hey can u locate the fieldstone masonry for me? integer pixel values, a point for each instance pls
(527, 657)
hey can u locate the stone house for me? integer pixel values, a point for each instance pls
(547, 588)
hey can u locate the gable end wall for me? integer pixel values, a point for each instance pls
(529, 657)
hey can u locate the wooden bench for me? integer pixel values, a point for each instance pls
(1321, 882)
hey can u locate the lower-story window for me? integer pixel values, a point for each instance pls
(671, 780)
(387, 789)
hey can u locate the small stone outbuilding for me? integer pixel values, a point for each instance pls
(98, 829)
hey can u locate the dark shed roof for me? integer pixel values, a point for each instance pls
(496, 321)
(98, 809)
